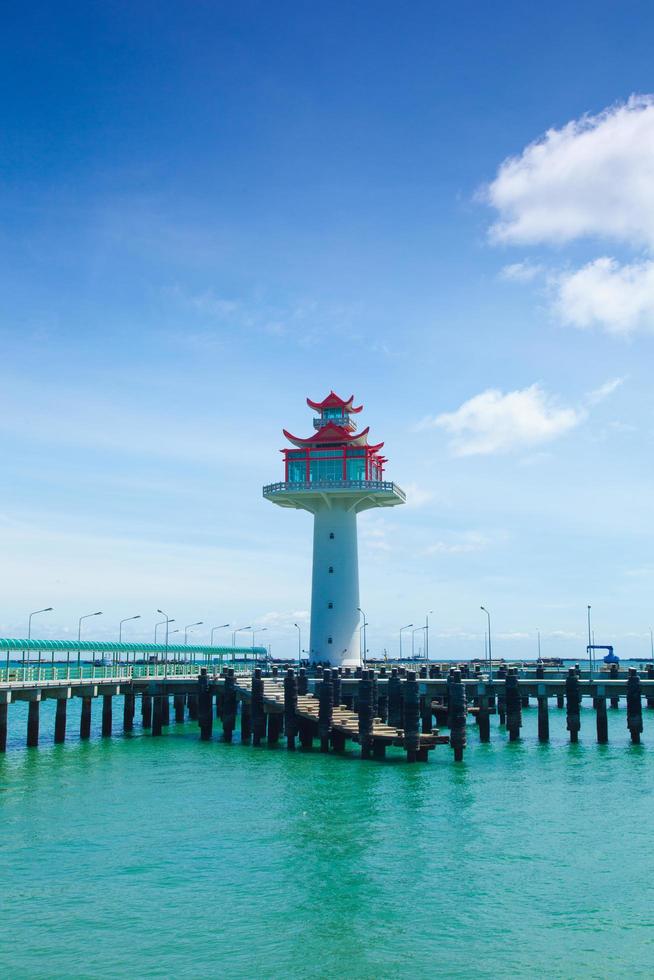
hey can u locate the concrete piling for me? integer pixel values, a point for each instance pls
(192, 705)
(3, 726)
(457, 713)
(601, 718)
(85, 718)
(157, 714)
(229, 706)
(325, 710)
(501, 694)
(178, 705)
(204, 706)
(146, 711)
(364, 711)
(614, 673)
(572, 704)
(60, 721)
(411, 717)
(634, 706)
(33, 724)
(107, 702)
(128, 711)
(513, 705)
(290, 708)
(246, 722)
(483, 716)
(394, 699)
(165, 709)
(258, 714)
(543, 715)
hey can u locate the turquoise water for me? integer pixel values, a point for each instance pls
(169, 857)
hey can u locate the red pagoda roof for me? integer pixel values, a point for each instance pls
(333, 401)
(330, 434)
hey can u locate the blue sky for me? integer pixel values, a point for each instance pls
(213, 210)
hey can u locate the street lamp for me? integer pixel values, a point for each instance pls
(430, 613)
(363, 627)
(413, 633)
(120, 633)
(259, 629)
(538, 633)
(590, 644)
(299, 645)
(168, 621)
(187, 628)
(214, 628)
(490, 651)
(29, 628)
(408, 627)
(79, 634)
(239, 630)
(157, 625)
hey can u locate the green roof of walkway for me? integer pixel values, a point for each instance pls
(102, 646)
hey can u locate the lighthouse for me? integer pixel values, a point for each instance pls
(334, 474)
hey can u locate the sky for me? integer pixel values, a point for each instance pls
(211, 211)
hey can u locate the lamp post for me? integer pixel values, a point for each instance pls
(259, 629)
(168, 621)
(157, 625)
(213, 630)
(590, 644)
(430, 613)
(120, 631)
(538, 634)
(239, 630)
(407, 627)
(299, 645)
(490, 649)
(363, 627)
(29, 628)
(413, 646)
(79, 635)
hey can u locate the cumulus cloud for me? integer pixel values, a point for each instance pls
(494, 422)
(604, 293)
(592, 177)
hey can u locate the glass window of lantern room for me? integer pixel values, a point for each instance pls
(297, 472)
(326, 467)
(356, 467)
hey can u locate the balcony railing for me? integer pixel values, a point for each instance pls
(371, 486)
(343, 420)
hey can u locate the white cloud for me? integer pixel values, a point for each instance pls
(592, 177)
(598, 395)
(417, 496)
(604, 293)
(521, 271)
(493, 422)
(461, 544)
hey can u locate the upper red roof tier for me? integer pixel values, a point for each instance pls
(333, 434)
(333, 401)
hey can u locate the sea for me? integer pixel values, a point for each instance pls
(170, 857)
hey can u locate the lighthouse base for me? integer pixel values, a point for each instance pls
(335, 616)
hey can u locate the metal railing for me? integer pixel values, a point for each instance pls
(373, 486)
(47, 673)
(344, 421)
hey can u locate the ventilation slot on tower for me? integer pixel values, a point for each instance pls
(330, 605)
(331, 535)
(331, 569)
(329, 639)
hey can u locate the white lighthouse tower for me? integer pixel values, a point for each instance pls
(334, 474)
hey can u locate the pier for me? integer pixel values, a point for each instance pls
(416, 710)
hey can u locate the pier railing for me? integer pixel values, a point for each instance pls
(37, 674)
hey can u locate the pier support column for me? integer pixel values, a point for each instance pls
(601, 719)
(229, 706)
(192, 704)
(572, 704)
(107, 702)
(290, 709)
(60, 721)
(411, 717)
(146, 711)
(258, 713)
(426, 715)
(501, 695)
(560, 699)
(128, 711)
(457, 714)
(614, 673)
(634, 706)
(165, 709)
(513, 705)
(543, 715)
(364, 711)
(275, 724)
(3, 725)
(325, 710)
(483, 718)
(33, 724)
(205, 711)
(394, 699)
(178, 704)
(246, 722)
(85, 718)
(157, 712)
